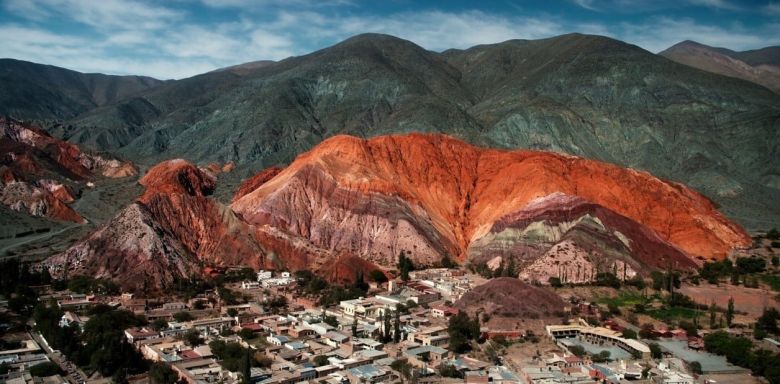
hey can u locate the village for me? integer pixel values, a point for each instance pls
(400, 331)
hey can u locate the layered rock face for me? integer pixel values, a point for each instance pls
(37, 168)
(432, 195)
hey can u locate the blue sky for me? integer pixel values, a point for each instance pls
(181, 38)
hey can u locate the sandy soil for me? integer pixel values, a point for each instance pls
(749, 300)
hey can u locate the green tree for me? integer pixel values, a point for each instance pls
(397, 327)
(159, 324)
(730, 312)
(354, 326)
(183, 316)
(555, 282)
(45, 369)
(629, 333)
(192, 338)
(655, 350)
(377, 276)
(696, 367)
(321, 360)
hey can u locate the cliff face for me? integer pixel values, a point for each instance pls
(431, 194)
(38, 168)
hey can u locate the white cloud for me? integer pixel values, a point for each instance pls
(99, 14)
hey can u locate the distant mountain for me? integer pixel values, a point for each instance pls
(759, 66)
(45, 92)
(351, 205)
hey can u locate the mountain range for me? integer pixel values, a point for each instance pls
(306, 162)
(585, 95)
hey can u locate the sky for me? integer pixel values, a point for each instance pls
(180, 38)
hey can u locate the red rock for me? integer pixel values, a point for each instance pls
(256, 181)
(451, 193)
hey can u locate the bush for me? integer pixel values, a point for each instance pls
(773, 234)
(751, 265)
(629, 333)
(555, 282)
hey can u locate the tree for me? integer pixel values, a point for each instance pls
(405, 266)
(192, 338)
(246, 334)
(713, 320)
(655, 350)
(397, 327)
(159, 325)
(647, 331)
(555, 282)
(232, 312)
(629, 333)
(773, 234)
(183, 316)
(768, 320)
(730, 312)
(321, 360)
(354, 326)
(461, 330)
(377, 276)
(601, 357)
(162, 373)
(45, 369)
(386, 326)
(577, 350)
(449, 370)
(696, 367)
(246, 368)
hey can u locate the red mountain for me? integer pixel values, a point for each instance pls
(430, 196)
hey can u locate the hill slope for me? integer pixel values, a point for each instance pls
(585, 95)
(45, 92)
(761, 66)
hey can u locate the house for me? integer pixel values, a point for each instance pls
(277, 340)
(443, 311)
(368, 374)
(426, 356)
(264, 275)
(73, 318)
(433, 336)
(334, 339)
(218, 323)
(296, 346)
(250, 285)
(134, 335)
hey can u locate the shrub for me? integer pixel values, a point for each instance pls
(45, 369)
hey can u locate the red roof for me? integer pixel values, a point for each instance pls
(252, 326)
(189, 354)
